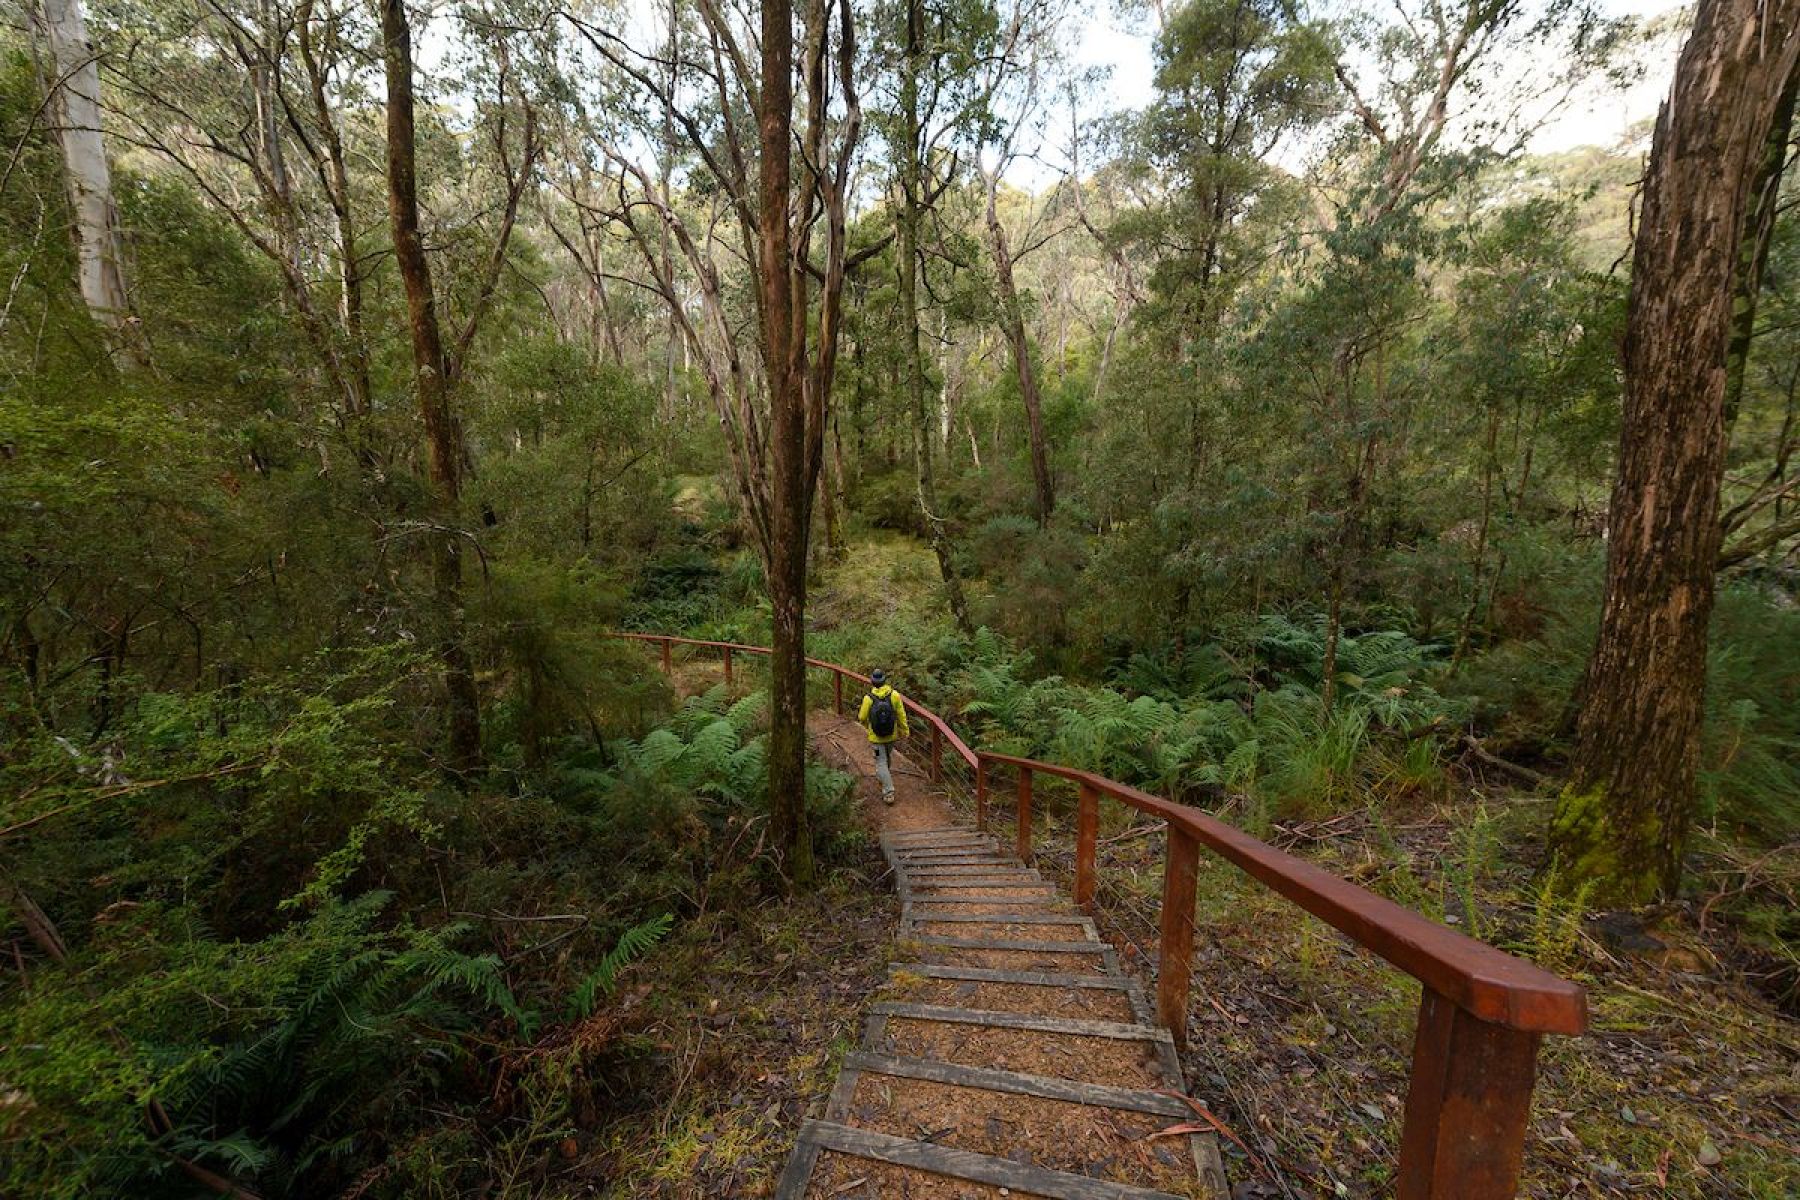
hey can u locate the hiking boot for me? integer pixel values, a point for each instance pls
(887, 798)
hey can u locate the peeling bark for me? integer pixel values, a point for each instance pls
(1622, 823)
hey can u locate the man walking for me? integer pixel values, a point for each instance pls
(883, 714)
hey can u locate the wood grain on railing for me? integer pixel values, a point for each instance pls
(1482, 1012)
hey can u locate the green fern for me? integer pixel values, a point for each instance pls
(633, 944)
(745, 714)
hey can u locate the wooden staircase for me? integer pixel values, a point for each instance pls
(949, 1097)
(1013, 1058)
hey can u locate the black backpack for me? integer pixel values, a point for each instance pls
(882, 717)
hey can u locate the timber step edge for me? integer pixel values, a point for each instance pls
(1016, 885)
(981, 858)
(1018, 1083)
(928, 837)
(936, 942)
(1055, 904)
(932, 1158)
(965, 869)
(1031, 1022)
(1107, 983)
(1007, 918)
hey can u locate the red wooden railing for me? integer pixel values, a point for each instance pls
(1482, 1012)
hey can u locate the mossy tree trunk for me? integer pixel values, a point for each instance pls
(1622, 824)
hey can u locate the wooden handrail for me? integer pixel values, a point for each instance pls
(1482, 1012)
(1489, 983)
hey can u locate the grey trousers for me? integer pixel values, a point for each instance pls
(884, 757)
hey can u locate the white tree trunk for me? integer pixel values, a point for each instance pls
(75, 103)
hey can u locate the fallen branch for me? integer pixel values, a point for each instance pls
(1536, 779)
(1212, 1123)
(1134, 832)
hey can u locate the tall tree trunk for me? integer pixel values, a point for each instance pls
(1012, 320)
(673, 338)
(330, 162)
(912, 210)
(838, 494)
(828, 514)
(432, 379)
(1765, 196)
(75, 104)
(784, 335)
(1622, 823)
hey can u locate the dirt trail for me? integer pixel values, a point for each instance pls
(844, 744)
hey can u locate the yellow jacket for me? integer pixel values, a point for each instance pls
(868, 700)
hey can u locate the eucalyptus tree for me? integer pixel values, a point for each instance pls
(1018, 80)
(1622, 822)
(1241, 84)
(72, 84)
(275, 112)
(1436, 90)
(774, 204)
(266, 109)
(935, 95)
(1430, 95)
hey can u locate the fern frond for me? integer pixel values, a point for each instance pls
(632, 944)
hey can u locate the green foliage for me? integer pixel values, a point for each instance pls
(1267, 735)
(268, 1054)
(633, 944)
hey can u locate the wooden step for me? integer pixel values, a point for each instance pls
(998, 975)
(962, 904)
(1008, 918)
(1026, 885)
(1161, 1104)
(969, 943)
(1206, 1164)
(969, 871)
(1035, 1024)
(821, 1137)
(958, 973)
(975, 859)
(930, 837)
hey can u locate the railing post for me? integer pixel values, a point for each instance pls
(1022, 839)
(1181, 861)
(668, 665)
(1087, 833)
(1467, 1106)
(981, 794)
(728, 668)
(937, 754)
(837, 692)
